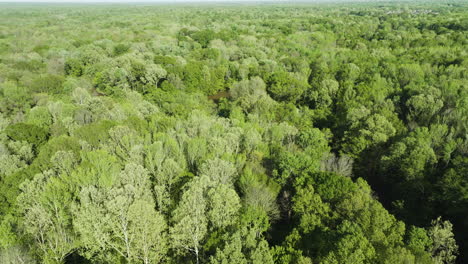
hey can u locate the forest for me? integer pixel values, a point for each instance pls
(307, 133)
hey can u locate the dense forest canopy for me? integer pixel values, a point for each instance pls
(287, 133)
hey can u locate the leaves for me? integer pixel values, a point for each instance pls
(170, 134)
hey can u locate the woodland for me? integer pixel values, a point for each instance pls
(311, 133)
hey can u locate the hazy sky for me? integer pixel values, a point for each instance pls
(167, 1)
(137, 1)
(178, 1)
(149, 1)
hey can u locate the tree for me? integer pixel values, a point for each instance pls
(422, 107)
(444, 248)
(340, 165)
(352, 247)
(14, 156)
(39, 116)
(223, 206)
(412, 154)
(419, 243)
(323, 96)
(14, 98)
(45, 209)
(261, 254)
(284, 86)
(231, 253)
(410, 73)
(153, 74)
(81, 96)
(248, 92)
(219, 171)
(122, 142)
(120, 49)
(149, 229)
(74, 67)
(16, 254)
(196, 151)
(121, 219)
(365, 230)
(52, 84)
(366, 130)
(262, 198)
(27, 132)
(167, 174)
(111, 80)
(203, 37)
(190, 221)
(309, 207)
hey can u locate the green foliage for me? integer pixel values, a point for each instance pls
(190, 220)
(51, 84)
(95, 133)
(413, 154)
(444, 248)
(203, 37)
(164, 60)
(284, 86)
(46, 152)
(45, 208)
(74, 67)
(198, 76)
(306, 133)
(120, 49)
(14, 98)
(26, 132)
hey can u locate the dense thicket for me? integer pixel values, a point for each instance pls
(234, 134)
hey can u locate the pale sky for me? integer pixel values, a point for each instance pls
(171, 1)
(191, 1)
(138, 1)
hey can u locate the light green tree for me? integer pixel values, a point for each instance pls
(223, 206)
(190, 220)
(219, 171)
(231, 253)
(444, 247)
(45, 209)
(121, 220)
(148, 227)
